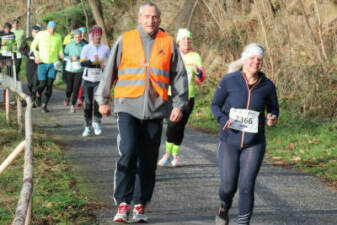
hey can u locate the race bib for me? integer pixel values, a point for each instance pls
(94, 74)
(6, 53)
(244, 120)
(76, 65)
(18, 55)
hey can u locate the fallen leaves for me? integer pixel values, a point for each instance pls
(292, 145)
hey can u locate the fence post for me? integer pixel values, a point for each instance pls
(19, 113)
(7, 105)
(29, 211)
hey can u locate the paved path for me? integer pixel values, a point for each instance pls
(187, 195)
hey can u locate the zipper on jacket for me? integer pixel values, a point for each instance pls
(248, 101)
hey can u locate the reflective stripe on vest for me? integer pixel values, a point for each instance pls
(133, 68)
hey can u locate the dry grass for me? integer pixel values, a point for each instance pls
(300, 61)
(300, 42)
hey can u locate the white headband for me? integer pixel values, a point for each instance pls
(252, 50)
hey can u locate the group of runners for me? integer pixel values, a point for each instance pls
(80, 62)
(154, 77)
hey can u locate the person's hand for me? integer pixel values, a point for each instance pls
(37, 61)
(271, 119)
(196, 68)
(96, 57)
(3, 42)
(176, 115)
(14, 47)
(228, 124)
(61, 55)
(105, 109)
(102, 66)
(74, 58)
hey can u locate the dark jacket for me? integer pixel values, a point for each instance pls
(233, 91)
(25, 47)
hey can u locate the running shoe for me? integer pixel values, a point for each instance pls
(176, 161)
(44, 108)
(38, 101)
(222, 217)
(72, 109)
(123, 211)
(97, 128)
(66, 102)
(165, 160)
(79, 104)
(139, 214)
(86, 132)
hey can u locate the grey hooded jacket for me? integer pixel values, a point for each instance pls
(150, 105)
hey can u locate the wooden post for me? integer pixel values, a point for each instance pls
(22, 209)
(19, 113)
(7, 105)
(29, 211)
(12, 156)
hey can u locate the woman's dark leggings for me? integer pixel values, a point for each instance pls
(175, 131)
(239, 168)
(74, 81)
(90, 104)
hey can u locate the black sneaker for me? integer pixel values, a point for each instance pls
(23, 103)
(44, 108)
(38, 101)
(222, 217)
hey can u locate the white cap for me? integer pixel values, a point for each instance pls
(252, 50)
(182, 32)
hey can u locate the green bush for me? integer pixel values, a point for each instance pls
(64, 17)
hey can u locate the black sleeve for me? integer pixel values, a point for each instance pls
(24, 49)
(86, 63)
(272, 102)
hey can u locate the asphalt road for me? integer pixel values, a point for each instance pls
(186, 195)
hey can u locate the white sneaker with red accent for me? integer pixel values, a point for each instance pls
(123, 211)
(139, 214)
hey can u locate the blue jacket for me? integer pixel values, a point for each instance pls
(233, 91)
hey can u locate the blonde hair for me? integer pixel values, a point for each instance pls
(234, 66)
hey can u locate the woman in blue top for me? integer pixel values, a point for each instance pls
(239, 105)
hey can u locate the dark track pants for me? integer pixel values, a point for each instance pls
(74, 81)
(175, 130)
(48, 85)
(138, 144)
(90, 104)
(31, 73)
(239, 167)
(18, 66)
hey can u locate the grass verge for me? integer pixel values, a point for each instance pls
(56, 199)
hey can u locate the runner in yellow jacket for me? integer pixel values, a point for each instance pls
(47, 48)
(195, 73)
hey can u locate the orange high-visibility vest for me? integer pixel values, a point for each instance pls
(133, 67)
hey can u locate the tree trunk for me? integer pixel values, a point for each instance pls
(184, 11)
(245, 6)
(96, 7)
